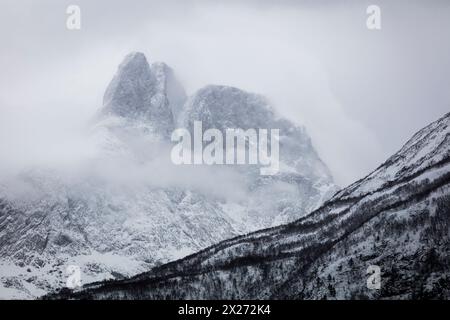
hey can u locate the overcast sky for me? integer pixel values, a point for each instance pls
(360, 93)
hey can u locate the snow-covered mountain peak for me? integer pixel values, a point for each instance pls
(134, 60)
(139, 92)
(168, 84)
(129, 85)
(225, 107)
(129, 207)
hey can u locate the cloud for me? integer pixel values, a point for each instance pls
(360, 93)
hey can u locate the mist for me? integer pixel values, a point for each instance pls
(360, 93)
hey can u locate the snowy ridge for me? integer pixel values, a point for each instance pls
(426, 148)
(397, 218)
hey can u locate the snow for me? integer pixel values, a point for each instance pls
(114, 219)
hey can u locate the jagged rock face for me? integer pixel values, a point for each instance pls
(396, 218)
(169, 85)
(120, 227)
(129, 92)
(140, 92)
(223, 107)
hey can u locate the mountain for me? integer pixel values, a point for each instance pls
(223, 107)
(147, 93)
(303, 181)
(128, 208)
(396, 219)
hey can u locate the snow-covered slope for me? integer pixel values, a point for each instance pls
(129, 208)
(397, 218)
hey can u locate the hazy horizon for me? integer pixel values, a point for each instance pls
(360, 93)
